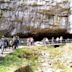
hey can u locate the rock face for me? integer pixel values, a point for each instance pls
(18, 16)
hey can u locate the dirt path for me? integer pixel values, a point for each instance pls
(8, 50)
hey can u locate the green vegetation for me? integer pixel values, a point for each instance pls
(17, 59)
(46, 12)
(31, 56)
(35, 5)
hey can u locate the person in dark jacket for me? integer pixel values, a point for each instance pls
(15, 42)
(4, 43)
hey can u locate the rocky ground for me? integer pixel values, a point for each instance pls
(56, 60)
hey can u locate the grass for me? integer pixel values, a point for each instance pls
(16, 59)
(31, 56)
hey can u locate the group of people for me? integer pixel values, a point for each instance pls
(30, 41)
(15, 41)
(57, 40)
(5, 43)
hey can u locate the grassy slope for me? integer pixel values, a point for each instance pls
(14, 60)
(30, 56)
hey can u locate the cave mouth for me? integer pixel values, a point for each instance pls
(39, 34)
(24, 69)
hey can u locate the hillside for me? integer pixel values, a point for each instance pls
(38, 59)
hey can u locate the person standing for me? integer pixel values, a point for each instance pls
(52, 40)
(4, 43)
(57, 40)
(15, 42)
(31, 40)
(28, 41)
(46, 41)
(61, 39)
